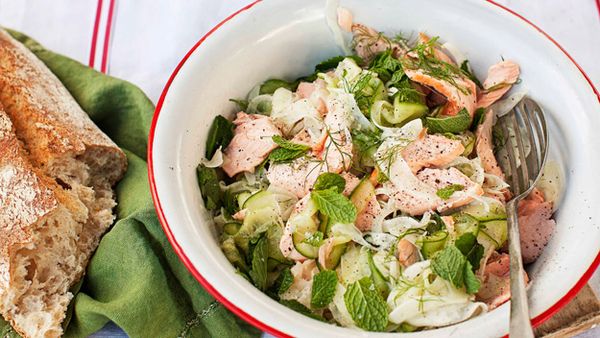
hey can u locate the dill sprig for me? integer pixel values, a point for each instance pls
(426, 62)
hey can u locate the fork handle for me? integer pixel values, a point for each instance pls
(520, 324)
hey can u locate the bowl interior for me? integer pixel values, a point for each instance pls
(285, 40)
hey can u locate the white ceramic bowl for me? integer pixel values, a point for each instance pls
(286, 39)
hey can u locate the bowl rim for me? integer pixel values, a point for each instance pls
(539, 319)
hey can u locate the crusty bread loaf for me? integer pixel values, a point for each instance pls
(57, 170)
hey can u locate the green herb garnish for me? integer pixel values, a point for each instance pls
(242, 104)
(330, 180)
(451, 124)
(335, 205)
(333, 62)
(430, 65)
(386, 66)
(284, 281)
(446, 192)
(209, 187)
(219, 135)
(287, 150)
(467, 244)
(260, 254)
(366, 306)
(478, 118)
(451, 265)
(298, 307)
(323, 288)
(270, 86)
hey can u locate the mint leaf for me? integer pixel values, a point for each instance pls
(365, 305)
(472, 283)
(298, 307)
(446, 192)
(287, 150)
(335, 205)
(323, 288)
(281, 155)
(334, 61)
(386, 66)
(314, 239)
(284, 281)
(209, 187)
(285, 144)
(270, 86)
(449, 264)
(436, 224)
(330, 180)
(451, 124)
(478, 118)
(242, 104)
(258, 274)
(219, 135)
(467, 244)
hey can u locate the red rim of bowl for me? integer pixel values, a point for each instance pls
(247, 317)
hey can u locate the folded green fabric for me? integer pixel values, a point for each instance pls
(134, 279)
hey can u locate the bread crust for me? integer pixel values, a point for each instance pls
(48, 119)
(56, 172)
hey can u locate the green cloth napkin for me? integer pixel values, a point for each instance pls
(134, 279)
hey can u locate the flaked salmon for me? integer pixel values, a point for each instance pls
(369, 42)
(410, 194)
(251, 144)
(536, 225)
(500, 79)
(297, 177)
(431, 151)
(407, 253)
(495, 289)
(484, 146)
(365, 218)
(443, 178)
(460, 94)
(437, 52)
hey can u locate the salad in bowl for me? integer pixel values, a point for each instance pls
(368, 194)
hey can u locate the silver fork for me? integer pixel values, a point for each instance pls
(526, 137)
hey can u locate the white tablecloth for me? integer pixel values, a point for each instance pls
(148, 38)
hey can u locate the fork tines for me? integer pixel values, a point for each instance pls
(524, 151)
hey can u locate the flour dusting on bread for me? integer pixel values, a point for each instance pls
(57, 172)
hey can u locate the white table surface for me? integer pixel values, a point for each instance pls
(148, 39)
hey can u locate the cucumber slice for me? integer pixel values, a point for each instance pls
(433, 243)
(255, 222)
(233, 255)
(362, 194)
(231, 228)
(465, 223)
(325, 225)
(378, 279)
(303, 248)
(335, 256)
(496, 231)
(242, 197)
(274, 234)
(477, 210)
(259, 200)
(404, 111)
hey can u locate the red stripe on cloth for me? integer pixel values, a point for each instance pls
(95, 34)
(598, 6)
(111, 9)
